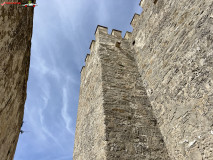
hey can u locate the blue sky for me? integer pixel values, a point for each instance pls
(62, 33)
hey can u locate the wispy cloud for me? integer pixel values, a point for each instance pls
(64, 112)
(46, 131)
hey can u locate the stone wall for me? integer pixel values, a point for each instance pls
(173, 41)
(157, 84)
(15, 33)
(90, 129)
(131, 128)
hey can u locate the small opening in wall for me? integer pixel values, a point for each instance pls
(118, 44)
(155, 1)
(133, 43)
(161, 140)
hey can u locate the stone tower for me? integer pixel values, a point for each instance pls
(149, 95)
(115, 119)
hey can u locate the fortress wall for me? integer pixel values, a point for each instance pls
(131, 129)
(174, 53)
(90, 129)
(15, 33)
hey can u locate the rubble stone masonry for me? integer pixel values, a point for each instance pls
(149, 95)
(174, 53)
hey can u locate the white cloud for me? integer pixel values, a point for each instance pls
(41, 65)
(46, 131)
(64, 112)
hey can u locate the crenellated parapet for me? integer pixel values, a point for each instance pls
(86, 59)
(88, 56)
(145, 4)
(116, 33)
(102, 37)
(101, 30)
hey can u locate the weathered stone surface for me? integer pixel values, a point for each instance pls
(174, 52)
(157, 86)
(131, 128)
(90, 133)
(15, 33)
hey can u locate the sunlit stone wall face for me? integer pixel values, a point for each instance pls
(173, 41)
(15, 42)
(90, 133)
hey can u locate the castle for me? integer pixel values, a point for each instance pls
(149, 95)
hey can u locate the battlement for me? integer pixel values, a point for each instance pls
(101, 29)
(87, 57)
(134, 20)
(114, 38)
(82, 69)
(116, 33)
(92, 46)
(128, 35)
(141, 3)
(104, 30)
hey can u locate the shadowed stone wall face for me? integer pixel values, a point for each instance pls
(15, 42)
(174, 54)
(131, 129)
